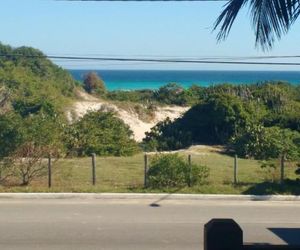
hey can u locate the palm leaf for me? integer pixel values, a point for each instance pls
(296, 6)
(270, 19)
(227, 17)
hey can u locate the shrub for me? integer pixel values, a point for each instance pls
(270, 171)
(92, 83)
(264, 143)
(101, 133)
(213, 121)
(171, 93)
(199, 174)
(29, 161)
(26, 141)
(171, 170)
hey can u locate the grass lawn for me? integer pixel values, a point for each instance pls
(126, 174)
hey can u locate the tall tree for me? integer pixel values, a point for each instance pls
(270, 18)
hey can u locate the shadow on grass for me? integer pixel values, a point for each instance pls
(269, 188)
(239, 184)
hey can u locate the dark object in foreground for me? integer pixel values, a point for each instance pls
(226, 234)
(222, 234)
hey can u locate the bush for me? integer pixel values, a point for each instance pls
(26, 141)
(92, 83)
(270, 170)
(263, 143)
(29, 161)
(171, 93)
(100, 133)
(171, 170)
(167, 135)
(214, 121)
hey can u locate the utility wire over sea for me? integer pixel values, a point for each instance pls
(218, 60)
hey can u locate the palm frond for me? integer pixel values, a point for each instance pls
(270, 19)
(227, 17)
(296, 6)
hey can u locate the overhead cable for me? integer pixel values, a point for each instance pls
(154, 60)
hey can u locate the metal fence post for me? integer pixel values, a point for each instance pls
(190, 170)
(145, 170)
(235, 169)
(49, 172)
(282, 169)
(94, 168)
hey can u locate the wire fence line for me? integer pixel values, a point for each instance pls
(131, 173)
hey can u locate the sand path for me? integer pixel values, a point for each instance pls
(90, 103)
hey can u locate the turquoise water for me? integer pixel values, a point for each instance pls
(153, 79)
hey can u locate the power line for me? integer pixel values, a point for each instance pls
(157, 60)
(185, 57)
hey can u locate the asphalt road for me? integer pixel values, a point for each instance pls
(135, 224)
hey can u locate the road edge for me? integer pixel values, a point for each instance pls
(141, 196)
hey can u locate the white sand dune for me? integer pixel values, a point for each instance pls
(139, 127)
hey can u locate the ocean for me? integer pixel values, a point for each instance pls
(153, 79)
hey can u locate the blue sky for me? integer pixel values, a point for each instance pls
(177, 29)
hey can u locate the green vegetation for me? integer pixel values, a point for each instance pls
(33, 80)
(257, 122)
(33, 96)
(126, 174)
(33, 91)
(254, 121)
(92, 83)
(212, 122)
(102, 134)
(170, 94)
(267, 143)
(231, 115)
(26, 141)
(136, 96)
(171, 170)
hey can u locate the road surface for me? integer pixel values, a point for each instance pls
(136, 224)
